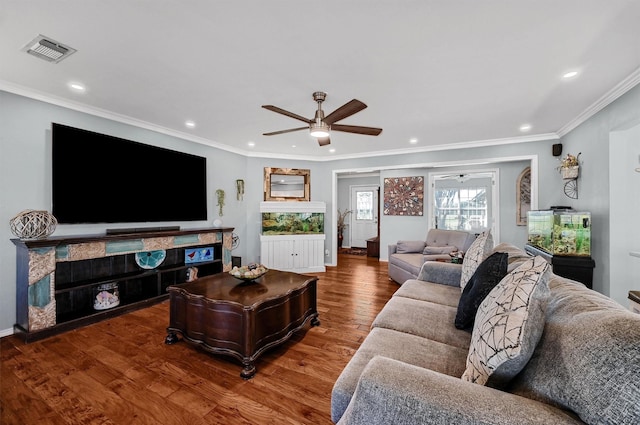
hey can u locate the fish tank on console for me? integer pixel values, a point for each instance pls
(292, 223)
(560, 231)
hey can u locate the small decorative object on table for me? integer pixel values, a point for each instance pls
(32, 224)
(249, 272)
(457, 257)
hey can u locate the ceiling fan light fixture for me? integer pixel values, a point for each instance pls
(319, 130)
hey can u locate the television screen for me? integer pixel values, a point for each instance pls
(104, 179)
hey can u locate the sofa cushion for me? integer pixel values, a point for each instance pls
(516, 255)
(488, 274)
(396, 345)
(588, 359)
(509, 325)
(441, 272)
(409, 262)
(443, 237)
(422, 318)
(429, 291)
(477, 252)
(406, 247)
(430, 250)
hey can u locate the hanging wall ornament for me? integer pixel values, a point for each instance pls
(220, 196)
(240, 189)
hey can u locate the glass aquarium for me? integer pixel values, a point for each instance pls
(560, 232)
(292, 223)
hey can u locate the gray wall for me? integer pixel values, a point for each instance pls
(624, 185)
(25, 172)
(593, 139)
(344, 196)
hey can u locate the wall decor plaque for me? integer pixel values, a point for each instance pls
(404, 196)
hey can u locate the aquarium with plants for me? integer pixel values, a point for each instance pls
(561, 232)
(292, 223)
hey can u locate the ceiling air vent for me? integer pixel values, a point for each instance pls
(48, 49)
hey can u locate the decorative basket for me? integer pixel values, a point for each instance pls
(32, 224)
(570, 172)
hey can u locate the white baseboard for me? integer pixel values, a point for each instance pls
(6, 332)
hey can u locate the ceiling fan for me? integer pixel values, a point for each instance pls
(460, 178)
(320, 126)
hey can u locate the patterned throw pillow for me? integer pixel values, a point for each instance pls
(477, 252)
(508, 325)
(488, 274)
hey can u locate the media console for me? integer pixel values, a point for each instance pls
(57, 278)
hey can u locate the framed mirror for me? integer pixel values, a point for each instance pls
(286, 184)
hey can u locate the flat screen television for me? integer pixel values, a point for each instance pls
(98, 178)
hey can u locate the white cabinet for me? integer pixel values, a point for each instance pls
(295, 253)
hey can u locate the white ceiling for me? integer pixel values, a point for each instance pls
(464, 72)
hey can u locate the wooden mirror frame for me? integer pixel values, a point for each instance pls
(269, 171)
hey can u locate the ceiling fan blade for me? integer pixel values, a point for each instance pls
(345, 111)
(287, 113)
(273, 133)
(370, 131)
(324, 141)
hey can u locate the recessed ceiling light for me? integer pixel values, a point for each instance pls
(332, 150)
(77, 87)
(251, 144)
(525, 127)
(570, 74)
(190, 124)
(293, 146)
(413, 141)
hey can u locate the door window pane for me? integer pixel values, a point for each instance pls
(364, 205)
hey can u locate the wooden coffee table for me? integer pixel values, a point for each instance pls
(225, 315)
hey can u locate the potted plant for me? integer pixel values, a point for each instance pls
(569, 166)
(341, 225)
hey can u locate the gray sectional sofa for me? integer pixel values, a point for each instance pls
(585, 368)
(407, 257)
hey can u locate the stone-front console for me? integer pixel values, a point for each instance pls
(57, 277)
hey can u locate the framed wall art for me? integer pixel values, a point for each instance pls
(404, 196)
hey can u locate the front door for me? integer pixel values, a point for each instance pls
(364, 216)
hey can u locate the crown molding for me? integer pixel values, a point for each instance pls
(80, 107)
(451, 146)
(621, 88)
(113, 116)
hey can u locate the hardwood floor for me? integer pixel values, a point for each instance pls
(120, 371)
